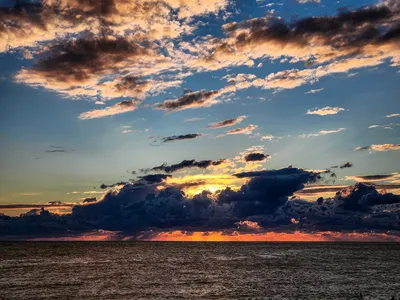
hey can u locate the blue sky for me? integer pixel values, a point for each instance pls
(36, 118)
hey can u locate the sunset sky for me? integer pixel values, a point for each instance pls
(122, 111)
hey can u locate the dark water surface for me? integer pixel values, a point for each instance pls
(129, 270)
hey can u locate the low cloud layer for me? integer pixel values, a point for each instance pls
(262, 204)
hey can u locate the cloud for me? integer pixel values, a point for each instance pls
(326, 45)
(308, 1)
(203, 164)
(76, 67)
(190, 100)
(314, 91)
(181, 137)
(89, 200)
(379, 148)
(386, 126)
(393, 115)
(363, 197)
(57, 149)
(346, 165)
(193, 119)
(227, 123)
(322, 133)
(392, 178)
(245, 130)
(264, 203)
(252, 157)
(119, 108)
(328, 110)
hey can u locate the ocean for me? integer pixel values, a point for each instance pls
(163, 270)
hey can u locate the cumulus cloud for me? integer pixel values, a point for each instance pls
(262, 204)
(119, 108)
(227, 123)
(352, 39)
(203, 164)
(379, 148)
(322, 133)
(328, 110)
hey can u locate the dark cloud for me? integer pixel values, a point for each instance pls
(346, 165)
(362, 197)
(155, 178)
(348, 31)
(227, 123)
(203, 164)
(375, 177)
(251, 157)
(190, 100)
(290, 171)
(77, 62)
(181, 137)
(89, 200)
(264, 203)
(55, 149)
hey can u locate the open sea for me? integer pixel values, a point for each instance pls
(163, 270)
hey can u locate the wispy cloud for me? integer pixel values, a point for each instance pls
(322, 133)
(314, 91)
(393, 115)
(173, 138)
(227, 123)
(379, 148)
(119, 108)
(193, 119)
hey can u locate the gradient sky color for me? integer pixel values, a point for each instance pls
(52, 151)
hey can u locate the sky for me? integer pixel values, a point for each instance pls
(243, 112)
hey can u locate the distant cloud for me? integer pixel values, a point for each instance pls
(256, 157)
(245, 130)
(322, 133)
(119, 108)
(203, 164)
(193, 119)
(181, 137)
(386, 126)
(328, 110)
(227, 123)
(308, 1)
(190, 100)
(393, 115)
(57, 149)
(315, 91)
(346, 165)
(372, 178)
(268, 137)
(380, 148)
